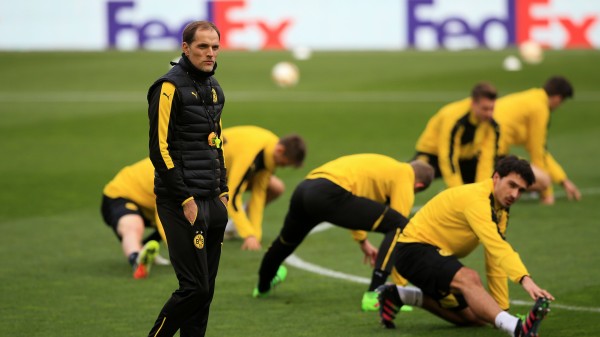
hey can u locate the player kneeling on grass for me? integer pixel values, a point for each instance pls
(128, 207)
(450, 226)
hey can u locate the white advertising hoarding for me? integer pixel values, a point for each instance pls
(318, 24)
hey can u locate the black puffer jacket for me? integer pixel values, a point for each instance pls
(186, 166)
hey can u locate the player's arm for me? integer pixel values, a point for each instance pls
(501, 253)
(162, 106)
(536, 142)
(449, 152)
(557, 174)
(237, 213)
(258, 200)
(497, 282)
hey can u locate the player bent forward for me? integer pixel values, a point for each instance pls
(450, 226)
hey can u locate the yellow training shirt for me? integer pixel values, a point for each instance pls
(523, 118)
(372, 176)
(454, 134)
(249, 159)
(457, 220)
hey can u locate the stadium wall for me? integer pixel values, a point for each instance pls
(317, 24)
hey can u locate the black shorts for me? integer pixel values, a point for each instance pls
(431, 272)
(114, 209)
(468, 167)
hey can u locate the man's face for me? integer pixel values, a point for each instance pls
(507, 190)
(203, 50)
(280, 158)
(483, 109)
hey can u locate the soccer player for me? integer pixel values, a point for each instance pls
(252, 154)
(449, 227)
(524, 118)
(461, 140)
(365, 192)
(128, 207)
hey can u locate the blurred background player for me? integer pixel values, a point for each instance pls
(368, 192)
(461, 140)
(252, 154)
(524, 118)
(449, 227)
(129, 207)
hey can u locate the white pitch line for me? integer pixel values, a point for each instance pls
(555, 305)
(294, 261)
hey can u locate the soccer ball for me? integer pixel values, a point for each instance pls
(511, 63)
(531, 52)
(285, 74)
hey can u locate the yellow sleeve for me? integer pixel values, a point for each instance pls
(501, 253)
(358, 235)
(557, 173)
(236, 210)
(487, 155)
(497, 282)
(449, 152)
(257, 202)
(536, 141)
(538, 131)
(236, 170)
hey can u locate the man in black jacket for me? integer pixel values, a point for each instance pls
(184, 108)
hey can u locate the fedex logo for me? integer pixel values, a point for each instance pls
(519, 22)
(147, 31)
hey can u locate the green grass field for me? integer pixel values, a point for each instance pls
(70, 121)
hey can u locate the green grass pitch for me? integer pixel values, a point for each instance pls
(70, 121)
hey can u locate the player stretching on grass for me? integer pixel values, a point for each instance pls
(450, 226)
(524, 118)
(128, 207)
(364, 192)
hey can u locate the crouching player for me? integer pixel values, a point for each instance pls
(450, 226)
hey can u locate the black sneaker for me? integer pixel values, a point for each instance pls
(531, 324)
(389, 304)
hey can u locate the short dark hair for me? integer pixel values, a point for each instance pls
(424, 173)
(295, 148)
(189, 32)
(484, 90)
(510, 164)
(558, 85)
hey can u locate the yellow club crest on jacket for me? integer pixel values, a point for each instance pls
(214, 95)
(199, 241)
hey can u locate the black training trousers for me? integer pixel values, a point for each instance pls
(194, 252)
(318, 200)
